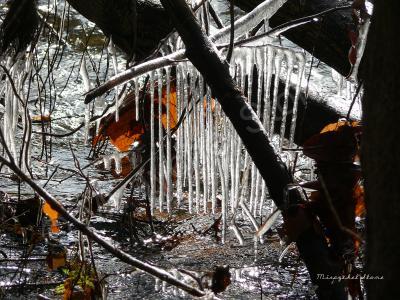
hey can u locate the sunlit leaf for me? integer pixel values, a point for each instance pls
(53, 216)
(358, 196)
(127, 130)
(335, 126)
(40, 119)
(337, 143)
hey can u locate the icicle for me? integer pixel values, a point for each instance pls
(275, 100)
(284, 253)
(255, 249)
(237, 233)
(87, 86)
(100, 105)
(107, 162)
(252, 200)
(202, 107)
(270, 53)
(232, 152)
(262, 197)
(237, 171)
(188, 140)
(212, 149)
(160, 141)
(137, 90)
(194, 131)
(152, 145)
(289, 63)
(179, 135)
(117, 163)
(224, 199)
(113, 53)
(117, 196)
(260, 60)
(301, 66)
(169, 158)
(226, 157)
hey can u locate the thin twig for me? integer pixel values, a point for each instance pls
(90, 233)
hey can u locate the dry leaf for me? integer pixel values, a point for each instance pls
(53, 216)
(127, 130)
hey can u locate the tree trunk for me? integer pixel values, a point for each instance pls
(381, 148)
(136, 26)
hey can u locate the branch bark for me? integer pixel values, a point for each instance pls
(204, 56)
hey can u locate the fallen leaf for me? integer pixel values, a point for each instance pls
(53, 216)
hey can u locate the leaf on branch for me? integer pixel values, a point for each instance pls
(337, 142)
(127, 130)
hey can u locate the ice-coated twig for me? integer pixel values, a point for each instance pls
(263, 11)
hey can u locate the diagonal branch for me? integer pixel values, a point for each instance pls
(204, 56)
(263, 11)
(90, 233)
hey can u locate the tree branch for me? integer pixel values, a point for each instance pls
(204, 56)
(123, 256)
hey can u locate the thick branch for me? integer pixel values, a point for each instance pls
(204, 57)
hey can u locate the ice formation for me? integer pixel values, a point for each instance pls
(209, 155)
(15, 107)
(214, 173)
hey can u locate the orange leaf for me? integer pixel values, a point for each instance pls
(40, 119)
(335, 126)
(53, 216)
(127, 130)
(337, 142)
(358, 196)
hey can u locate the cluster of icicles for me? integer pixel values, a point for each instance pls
(213, 171)
(15, 92)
